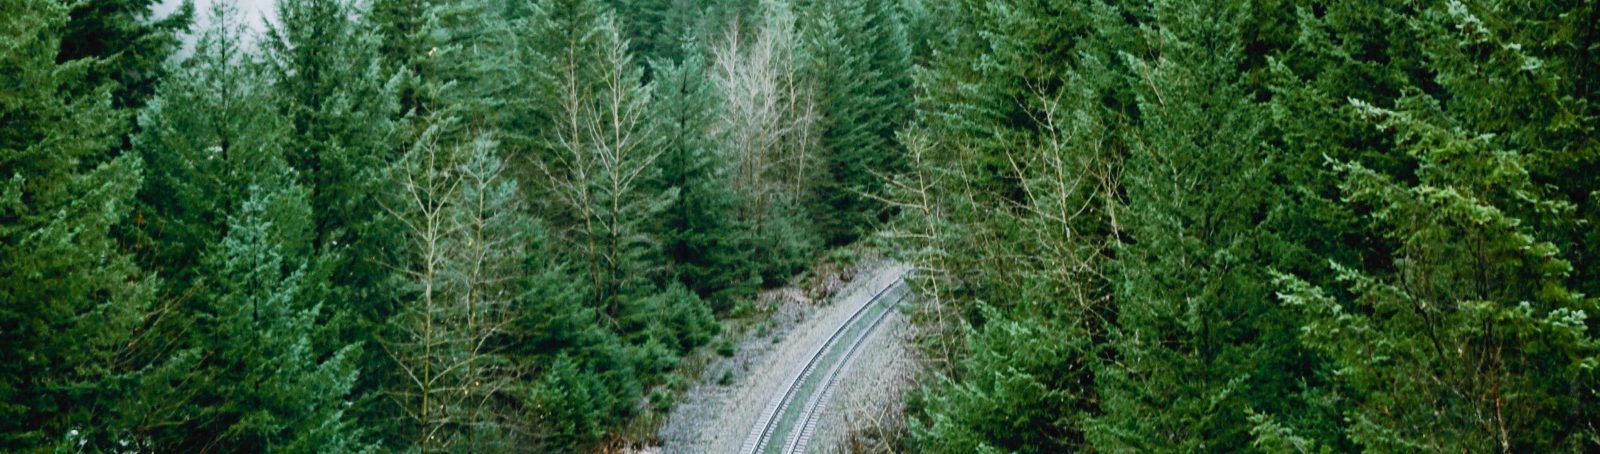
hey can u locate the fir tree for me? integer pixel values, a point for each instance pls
(341, 107)
(857, 56)
(205, 134)
(70, 300)
(275, 391)
(129, 46)
(246, 363)
(1468, 287)
(700, 234)
(1190, 267)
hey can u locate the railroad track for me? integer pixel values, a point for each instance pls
(791, 416)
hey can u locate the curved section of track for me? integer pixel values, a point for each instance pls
(790, 416)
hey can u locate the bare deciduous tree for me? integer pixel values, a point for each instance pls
(603, 151)
(465, 231)
(769, 117)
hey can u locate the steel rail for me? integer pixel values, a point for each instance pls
(761, 434)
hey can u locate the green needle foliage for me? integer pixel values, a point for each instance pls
(70, 299)
(508, 226)
(702, 238)
(1291, 226)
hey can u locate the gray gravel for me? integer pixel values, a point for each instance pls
(866, 405)
(715, 418)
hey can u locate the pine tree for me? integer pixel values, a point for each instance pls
(327, 64)
(578, 377)
(1476, 305)
(1020, 390)
(403, 27)
(654, 28)
(70, 300)
(449, 55)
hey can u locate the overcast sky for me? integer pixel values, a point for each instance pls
(255, 11)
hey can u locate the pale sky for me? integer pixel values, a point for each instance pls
(255, 11)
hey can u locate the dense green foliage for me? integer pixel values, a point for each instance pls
(71, 300)
(494, 225)
(1256, 226)
(407, 225)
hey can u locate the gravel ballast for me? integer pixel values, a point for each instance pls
(716, 417)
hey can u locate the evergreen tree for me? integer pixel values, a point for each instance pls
(552, 40)
(205, 134)
(1027, 382)
(327, 66)
(449, 55)
(1191, 275)
(271, 389)
(653, 28)
(1476, 305)
(341, 107)
(328, 72)
(129, 47)
(244, 362)
(857, 56)
(701, 237)
(403, 28)
(1001, 261)
(579, 377)
(1468, 287)
(70, 300)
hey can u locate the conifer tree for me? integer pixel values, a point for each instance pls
(1190, 275)
(654, 27)
(1027, 380)
(244, 361)
(552, 37)
(271, 389)
(701, 237)
(577, 377)
(449, 55)
(130, 47)
(1027, 266)
(342, 107)
(205, 134)
(1468, 287)
(70, 300)
(328, 72)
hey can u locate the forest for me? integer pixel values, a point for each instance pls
(1279, 226)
